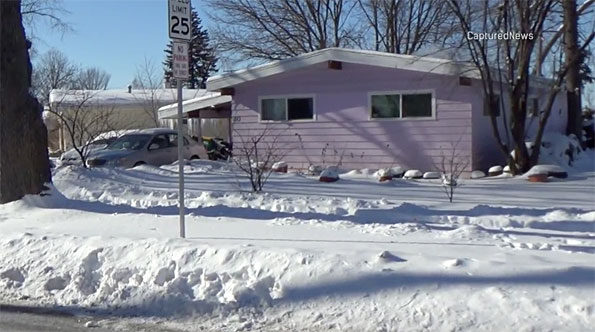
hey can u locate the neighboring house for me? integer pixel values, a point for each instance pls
(366, 109)
(123, 109)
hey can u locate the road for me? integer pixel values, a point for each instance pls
(32, 319)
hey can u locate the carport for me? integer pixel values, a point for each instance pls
(208, 115)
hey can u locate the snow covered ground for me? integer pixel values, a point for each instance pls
(354, 255)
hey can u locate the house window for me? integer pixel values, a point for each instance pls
(401, 105)
(386, 106)
(283, 109)
(494, 104)
(417, 105)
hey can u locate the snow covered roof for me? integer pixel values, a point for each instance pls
(208, 100)
(120, 97)
(364, 57)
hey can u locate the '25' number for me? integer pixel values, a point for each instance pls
(183, 22)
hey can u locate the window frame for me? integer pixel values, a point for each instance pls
(286, 97)
(432, 92)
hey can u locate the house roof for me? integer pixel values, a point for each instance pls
(364, 57)
(210, 99)
(372, 58)
(120, 97)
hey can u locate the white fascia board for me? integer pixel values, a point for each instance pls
(171, 111)
(371, 58)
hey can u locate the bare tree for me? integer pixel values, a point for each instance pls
(46, 13)
(272, 29)
(53, 71)
(82, 121)
(546, 49)
(405, 26)
(92, 79)
(255, 155)
(149, 80)
(452, 165)
(504, 66)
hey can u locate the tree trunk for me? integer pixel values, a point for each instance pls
(521, 163)
(571, 52)
(24, 164)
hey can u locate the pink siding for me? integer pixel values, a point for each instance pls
(342, 121)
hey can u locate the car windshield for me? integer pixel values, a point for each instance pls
(129, 142)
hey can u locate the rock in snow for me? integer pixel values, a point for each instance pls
(413, 174)
(495, 170)
(549, 170)
(478, 174)
(330, 174)
(280, 167)
(384, 174)
(432, 175)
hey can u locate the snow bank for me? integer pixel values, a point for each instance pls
(157, 277)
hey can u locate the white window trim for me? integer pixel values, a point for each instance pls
(290, 96)
(401, 93)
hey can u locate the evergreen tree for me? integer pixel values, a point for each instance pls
(202, 57)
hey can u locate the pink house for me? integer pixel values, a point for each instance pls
(367, 109)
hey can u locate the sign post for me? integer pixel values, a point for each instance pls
(181, 33)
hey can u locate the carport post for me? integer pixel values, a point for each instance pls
(181, 160)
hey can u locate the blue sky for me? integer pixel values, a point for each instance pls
(117, 35)
(114, 35)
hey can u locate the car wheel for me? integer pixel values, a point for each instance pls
(194, 157)
(138, 163)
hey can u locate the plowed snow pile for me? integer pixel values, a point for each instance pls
(357, 255)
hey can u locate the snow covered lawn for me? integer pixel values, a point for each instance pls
(354, 255)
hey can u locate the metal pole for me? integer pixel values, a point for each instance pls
(181, 161)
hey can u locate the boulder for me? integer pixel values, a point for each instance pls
(537, 177)
(495, 170)
(478, 174)
(549, 170)
(384, 174)
(280, 167)
(413, 174)
(329, 174)
(432, 175)
(397, 171)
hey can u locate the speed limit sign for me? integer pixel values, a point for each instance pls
(179, 19)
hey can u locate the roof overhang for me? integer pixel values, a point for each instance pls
(372, 58)
(171, 111)
(423, 64)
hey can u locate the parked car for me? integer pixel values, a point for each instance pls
(100, 142)
(156, 146)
